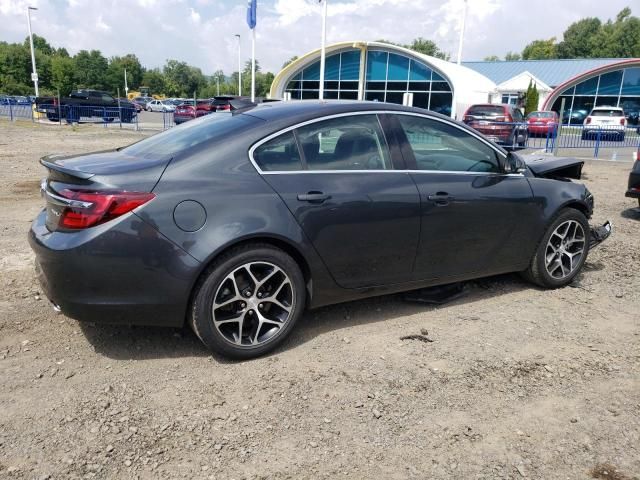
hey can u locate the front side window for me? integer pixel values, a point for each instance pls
(278, 154)
(442, 147)
(346, 143)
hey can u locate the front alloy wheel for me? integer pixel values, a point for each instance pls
(561, 252)
(565, 249)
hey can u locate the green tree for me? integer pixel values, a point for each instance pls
(115, 73)
(182, 80)
(62, 74)
(15, 69)
(531, 98)
(512, 56)
(91, 69)
(492, 58)
(154, 79)
(579, 40)
(39, 45)
(427, 47)
(540, 50)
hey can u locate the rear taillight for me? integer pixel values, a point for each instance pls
(622, 121)
(225, 107)
(588, 121)
(98, 207)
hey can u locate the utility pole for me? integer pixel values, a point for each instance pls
(34, 72)
(239, 67)
(464, 19)
(126, 87)
(322, 48)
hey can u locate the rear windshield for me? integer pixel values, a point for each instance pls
(607, 112)
(541, 115)
(177, 139)
(486, 110)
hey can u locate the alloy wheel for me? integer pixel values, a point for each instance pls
(565, 249)
(253, 303)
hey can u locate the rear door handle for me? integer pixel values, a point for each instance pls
(313, 197)
(440, 198)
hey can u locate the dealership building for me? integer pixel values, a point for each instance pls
(384, 72)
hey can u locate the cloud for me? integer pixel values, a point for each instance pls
(201, 32)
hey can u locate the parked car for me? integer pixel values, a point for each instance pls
(239, 222)
(186, 111)
(20, 100)
(141, 102)
(86, 103)
(7, 100)
(502, 123)
(542, 123)
(605, 122)
(160, 106)
(574, 117)
(633, 187)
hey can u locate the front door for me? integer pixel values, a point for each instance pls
(337, 178)
(476, 219)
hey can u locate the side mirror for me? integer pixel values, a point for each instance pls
(514, 164)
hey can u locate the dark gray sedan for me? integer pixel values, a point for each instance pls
(237, 222)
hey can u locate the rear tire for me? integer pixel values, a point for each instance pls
(248, 301)
(562, 251)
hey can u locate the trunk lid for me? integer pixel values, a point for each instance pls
(107, 172)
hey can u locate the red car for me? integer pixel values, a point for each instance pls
(221, 103)
(501, 123)
(542, 123)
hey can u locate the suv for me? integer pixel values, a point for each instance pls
(633, 187)
(501, 123)
(605, 121)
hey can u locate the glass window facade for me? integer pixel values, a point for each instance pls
(388, 76)
(620, 88)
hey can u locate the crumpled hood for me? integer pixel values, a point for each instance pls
(551, 167)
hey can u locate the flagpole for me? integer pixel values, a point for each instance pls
(239, 67)
(253, 64)
(322, 48)
(464, 19)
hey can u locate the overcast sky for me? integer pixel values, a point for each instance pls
(201, 32)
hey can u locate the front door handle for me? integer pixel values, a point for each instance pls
(440, 198)
(313, 197)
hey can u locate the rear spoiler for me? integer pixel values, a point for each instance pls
(65, 171)
(243, 103)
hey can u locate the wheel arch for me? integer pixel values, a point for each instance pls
(278, 242)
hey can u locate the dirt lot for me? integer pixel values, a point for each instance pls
(517, 383)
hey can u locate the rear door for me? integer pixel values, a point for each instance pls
(476, 219)
(337, 177)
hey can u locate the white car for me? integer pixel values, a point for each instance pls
(160, 106)
(606, 122)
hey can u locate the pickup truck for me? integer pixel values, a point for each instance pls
(86, 104)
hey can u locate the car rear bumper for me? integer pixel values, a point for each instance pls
(121, 272)
(633, 192)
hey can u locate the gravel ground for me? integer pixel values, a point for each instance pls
(517, 383)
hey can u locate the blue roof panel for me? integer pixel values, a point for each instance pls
(551, 72)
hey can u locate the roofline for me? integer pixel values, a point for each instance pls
(539, 83)
(555, 93)
(539, 60)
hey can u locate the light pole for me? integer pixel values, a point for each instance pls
(34, 72)
(464, 19)
(322, 49)
(239, 67)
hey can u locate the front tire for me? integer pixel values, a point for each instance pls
(562, 251)
(248, 301)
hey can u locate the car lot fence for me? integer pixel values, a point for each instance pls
(552, 136)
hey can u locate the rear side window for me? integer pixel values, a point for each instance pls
(278, 154)
(442, 147)
(517, 115)
(346, 143)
